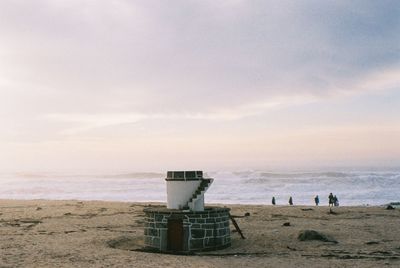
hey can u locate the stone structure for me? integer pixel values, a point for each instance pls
(185, 225)
(181, 231)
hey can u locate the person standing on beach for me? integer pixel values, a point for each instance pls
(335, 201)
(316, 199)
(273, 200)
(330, 199)
(291, 201)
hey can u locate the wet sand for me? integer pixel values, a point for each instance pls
(43, 233)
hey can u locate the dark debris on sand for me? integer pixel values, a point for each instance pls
(307, 235)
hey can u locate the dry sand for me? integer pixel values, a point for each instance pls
(77, 234)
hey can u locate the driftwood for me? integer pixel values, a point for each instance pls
(236, 226)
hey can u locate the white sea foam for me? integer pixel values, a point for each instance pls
(246, 187)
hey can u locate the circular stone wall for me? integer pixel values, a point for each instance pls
(177, 231)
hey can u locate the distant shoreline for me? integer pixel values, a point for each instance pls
(395, 204)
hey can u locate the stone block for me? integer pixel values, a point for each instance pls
(223, 240)
(196, 244)
(152, 232)
(209, 242)
(156, 242)
(209, 233)
(218, 241)
(210, 220)
(198, 233)
(159, 217)
(163, 239)
(195, 216)
(201, 220)
(221, 232)
(212, 215)
(148, 240)
(208, 225)
(160, 225)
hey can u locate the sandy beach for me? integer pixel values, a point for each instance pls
(43, 233)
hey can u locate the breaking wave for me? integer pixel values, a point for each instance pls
(244, 187)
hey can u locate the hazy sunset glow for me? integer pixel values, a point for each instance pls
(156, 85)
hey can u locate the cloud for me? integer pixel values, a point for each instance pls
(72, 66)
(87, 122)
(383, 80)
(213, 53)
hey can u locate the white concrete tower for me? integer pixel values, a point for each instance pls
(185, 190)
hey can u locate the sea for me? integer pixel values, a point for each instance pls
(352, 188)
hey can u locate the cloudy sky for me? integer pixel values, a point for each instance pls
(153, 85)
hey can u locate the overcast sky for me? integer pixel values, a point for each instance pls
(153, 85)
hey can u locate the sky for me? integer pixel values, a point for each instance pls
(119, 86)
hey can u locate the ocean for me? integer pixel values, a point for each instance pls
(245, 187)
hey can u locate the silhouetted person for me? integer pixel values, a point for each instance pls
(330, 199)
(335, 201)
(273, 201)
(316, 199)
(291, 201)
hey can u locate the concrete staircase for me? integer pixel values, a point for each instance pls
(199, 193)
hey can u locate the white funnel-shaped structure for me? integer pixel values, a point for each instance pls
(185, 190)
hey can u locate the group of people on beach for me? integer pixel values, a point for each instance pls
(333, 200)
(290, 201)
